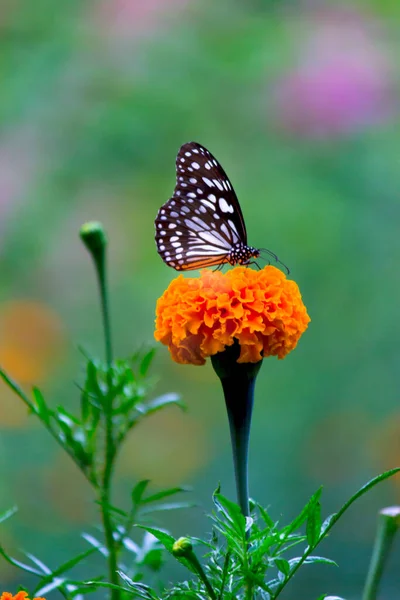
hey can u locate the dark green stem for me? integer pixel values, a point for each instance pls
(238, 383)
(94, 238)
(388, 524)
(201, 573)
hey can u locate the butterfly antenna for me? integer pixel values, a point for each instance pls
(276, 259)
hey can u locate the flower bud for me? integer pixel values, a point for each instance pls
(182, 547)
(93, 236)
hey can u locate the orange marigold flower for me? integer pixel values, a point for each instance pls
(18, 596)
(197, 317)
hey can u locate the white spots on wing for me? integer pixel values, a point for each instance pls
(161, 247)
(190, 169)
(203, 209)
(184, 209)
(163, 232)
(175, 244)
(190, 224)
(212, 198)
(195, 165)
(172, 203)
(159, 225)
(216, 216)
(224, 206)
(193, 180)
(191, 195)
(182, 160)
(174, 214)
(208, 181)
(171, 226)
(162, 211)
(178, 232)
(224, 183)
(225, 230)
(184, 184)
(208, 165)
(196, 210)
(218, 184)
(179, 256)
(187, 153)
(178, 193)
(207, 203)
(174, 238)
(163, 218)
(228, 183)
(235, 233)
(215, 239)
(180, 178)
(214, 162)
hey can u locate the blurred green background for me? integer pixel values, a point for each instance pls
(299, 100)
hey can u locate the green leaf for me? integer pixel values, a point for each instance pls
(8, 513)
(282, 565)
(17, 563)
(320, 559)
(159, 403)
(167, 506)
(146, 362)
(165, 493)
(313, 528)
(41, 408)
(302, 517)
(368, 486)
(139, 490)
(265, 516)
(66, 566)
(15, 388)
(110, 586)
(231, 511)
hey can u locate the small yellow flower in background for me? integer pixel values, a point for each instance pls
(198, 317)
(18, 596)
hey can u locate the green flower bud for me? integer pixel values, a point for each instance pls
(93, 236)
(182, 547)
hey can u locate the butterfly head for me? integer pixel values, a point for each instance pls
(241, 254)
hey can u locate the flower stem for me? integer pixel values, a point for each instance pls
(238, 383)
(202, 575)
(95, 240)
(388, 524)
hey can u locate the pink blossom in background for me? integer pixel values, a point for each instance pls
(343, 80)
(134, 18)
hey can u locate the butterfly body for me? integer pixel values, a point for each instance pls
(202, 224)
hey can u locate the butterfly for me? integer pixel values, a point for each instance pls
(202, 224)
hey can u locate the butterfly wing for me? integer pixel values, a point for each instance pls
(199, 225)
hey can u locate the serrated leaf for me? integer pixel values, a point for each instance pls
(365, 488)
(232, 512)
(265, 516)
(138, 491)
(313, 528)
(302, 517)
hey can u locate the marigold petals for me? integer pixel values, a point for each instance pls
(262, 310)
(18, 596)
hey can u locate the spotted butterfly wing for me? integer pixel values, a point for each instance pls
(202, 224)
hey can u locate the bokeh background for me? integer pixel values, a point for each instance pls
(299, 100)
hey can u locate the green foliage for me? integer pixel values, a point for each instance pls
(255, 558)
